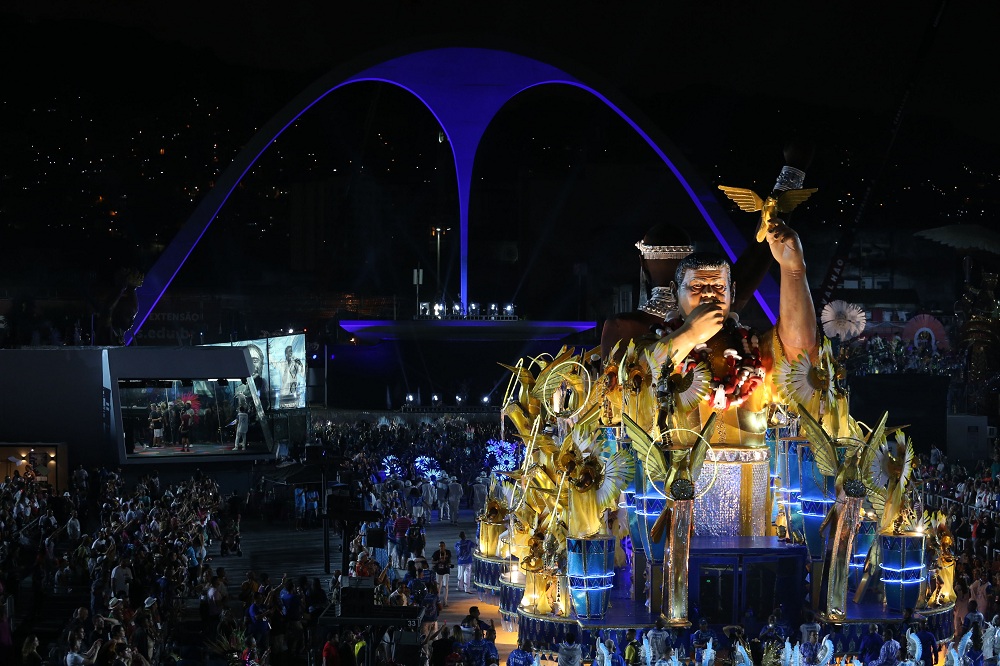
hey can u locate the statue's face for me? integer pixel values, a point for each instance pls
(705, 285)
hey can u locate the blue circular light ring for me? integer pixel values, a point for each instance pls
(906, 576)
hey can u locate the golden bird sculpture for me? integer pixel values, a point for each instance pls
(886, 475)
(890, 468)
(679, 474)
(860, 450)
(751, 202)
(850, 491)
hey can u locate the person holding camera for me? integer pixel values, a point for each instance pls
(442, 571)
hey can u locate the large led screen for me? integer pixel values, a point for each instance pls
(279, 367)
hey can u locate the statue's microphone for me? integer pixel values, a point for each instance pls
(798, 156)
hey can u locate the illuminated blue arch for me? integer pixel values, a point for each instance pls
(464, 88)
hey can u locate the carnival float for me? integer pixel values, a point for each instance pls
(713, 486)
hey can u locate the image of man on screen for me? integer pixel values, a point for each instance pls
(259, 377)
(292, 378)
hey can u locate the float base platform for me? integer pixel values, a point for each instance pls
(940, 622)
(546, 631)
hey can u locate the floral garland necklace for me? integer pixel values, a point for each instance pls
(744, 370)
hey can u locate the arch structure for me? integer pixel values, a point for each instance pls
(464, 88)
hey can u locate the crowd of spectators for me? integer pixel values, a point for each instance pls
(131, 553)
(145, 551)
(459, 446)
(875, 355)
(407, 571)
(969, 496)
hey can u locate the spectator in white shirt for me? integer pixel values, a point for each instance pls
(73, 528)
(121, 578)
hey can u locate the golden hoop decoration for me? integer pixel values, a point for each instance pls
(715, 464)
(508, 392)
(529, 449)
(547, 392)
(535, 360)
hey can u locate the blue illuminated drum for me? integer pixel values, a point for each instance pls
(633, 519)
(590, 569)
(635, 489)
(787, 482)
(486, 572)
(903, 569)
(817, 496)
(867, 531)
(771, 438)
(511, 594)
(648, 508)
(813, 513)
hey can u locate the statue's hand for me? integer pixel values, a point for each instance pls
(703, 322)
(786, 247)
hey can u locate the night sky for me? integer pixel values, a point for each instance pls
(118, 116)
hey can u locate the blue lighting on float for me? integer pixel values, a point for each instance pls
(917, 581)
(823, 501)
(591, 582)
(904, 576)
(913, 568)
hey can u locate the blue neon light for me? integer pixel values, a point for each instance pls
(903, 582)
(914, 568)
